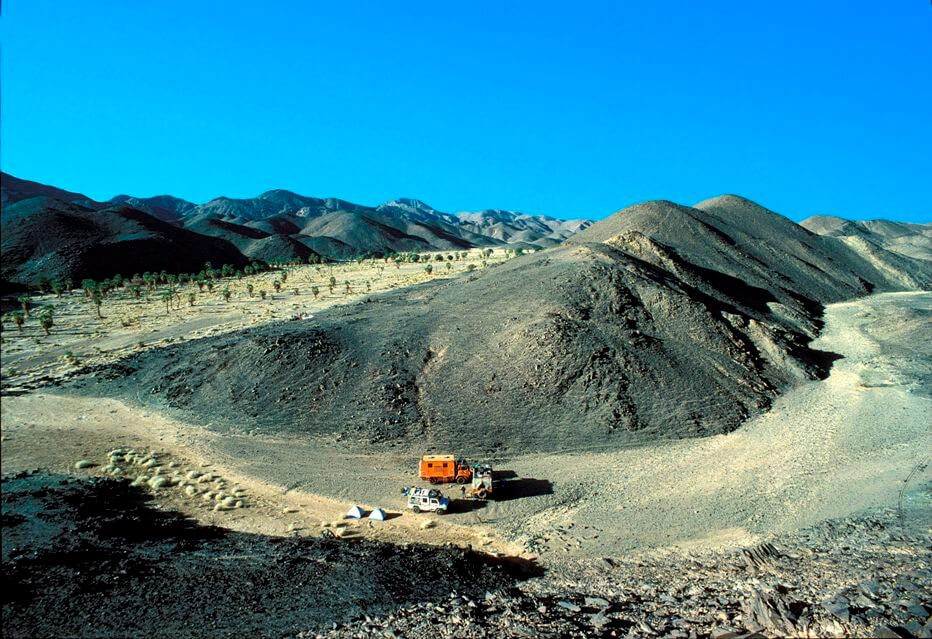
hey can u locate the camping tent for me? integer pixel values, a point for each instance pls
(356, 512)
(378, 514)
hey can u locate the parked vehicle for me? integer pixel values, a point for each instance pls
(439, 469)
(426, 500)
(481, 481)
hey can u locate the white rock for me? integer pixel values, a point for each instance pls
(193, 474)
(158, 482)
(84, 463)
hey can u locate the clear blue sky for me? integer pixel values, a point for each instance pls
(571, 109)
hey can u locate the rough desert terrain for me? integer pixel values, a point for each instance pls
(851, 449)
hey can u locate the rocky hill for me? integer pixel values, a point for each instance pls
(660, 321)
(44, 238)
(277, 226)
(912, 240)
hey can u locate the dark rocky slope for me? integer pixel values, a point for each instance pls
(46, 238)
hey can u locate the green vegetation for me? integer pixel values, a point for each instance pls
(19, 318)
(45, 319)
(97, 297)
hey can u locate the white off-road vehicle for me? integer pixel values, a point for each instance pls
(426, 500)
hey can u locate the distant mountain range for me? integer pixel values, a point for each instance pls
(53, 233)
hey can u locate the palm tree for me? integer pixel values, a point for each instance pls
(348, 288)
(226, 294)
(429, 269)
(191, 297)
(24, 302)
(277, 286)
(19, 319)
(315, 291)
(57, 288)
(68, 284)
(262, 293)
(250, 288)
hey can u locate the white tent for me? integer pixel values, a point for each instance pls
(356, 512)
(378, 514)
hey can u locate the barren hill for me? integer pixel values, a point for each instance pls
(661, 321)
(912, 240)
(164, 207)
(45, 238)
(16, 189)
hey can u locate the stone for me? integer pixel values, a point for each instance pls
(770, 612)
(918, 610)
(84, 463)
(159, 482)
(569, 606)
(838, 608)
(599, 620)
(597, 601)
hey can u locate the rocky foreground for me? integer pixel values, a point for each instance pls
(99, 558)
(868, 576)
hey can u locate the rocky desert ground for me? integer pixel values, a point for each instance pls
(123, 515)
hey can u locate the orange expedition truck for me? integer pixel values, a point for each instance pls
(441, 469)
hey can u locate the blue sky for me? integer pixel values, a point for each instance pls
(567, 109)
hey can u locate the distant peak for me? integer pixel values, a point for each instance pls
(278, 192)
(409, 204)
